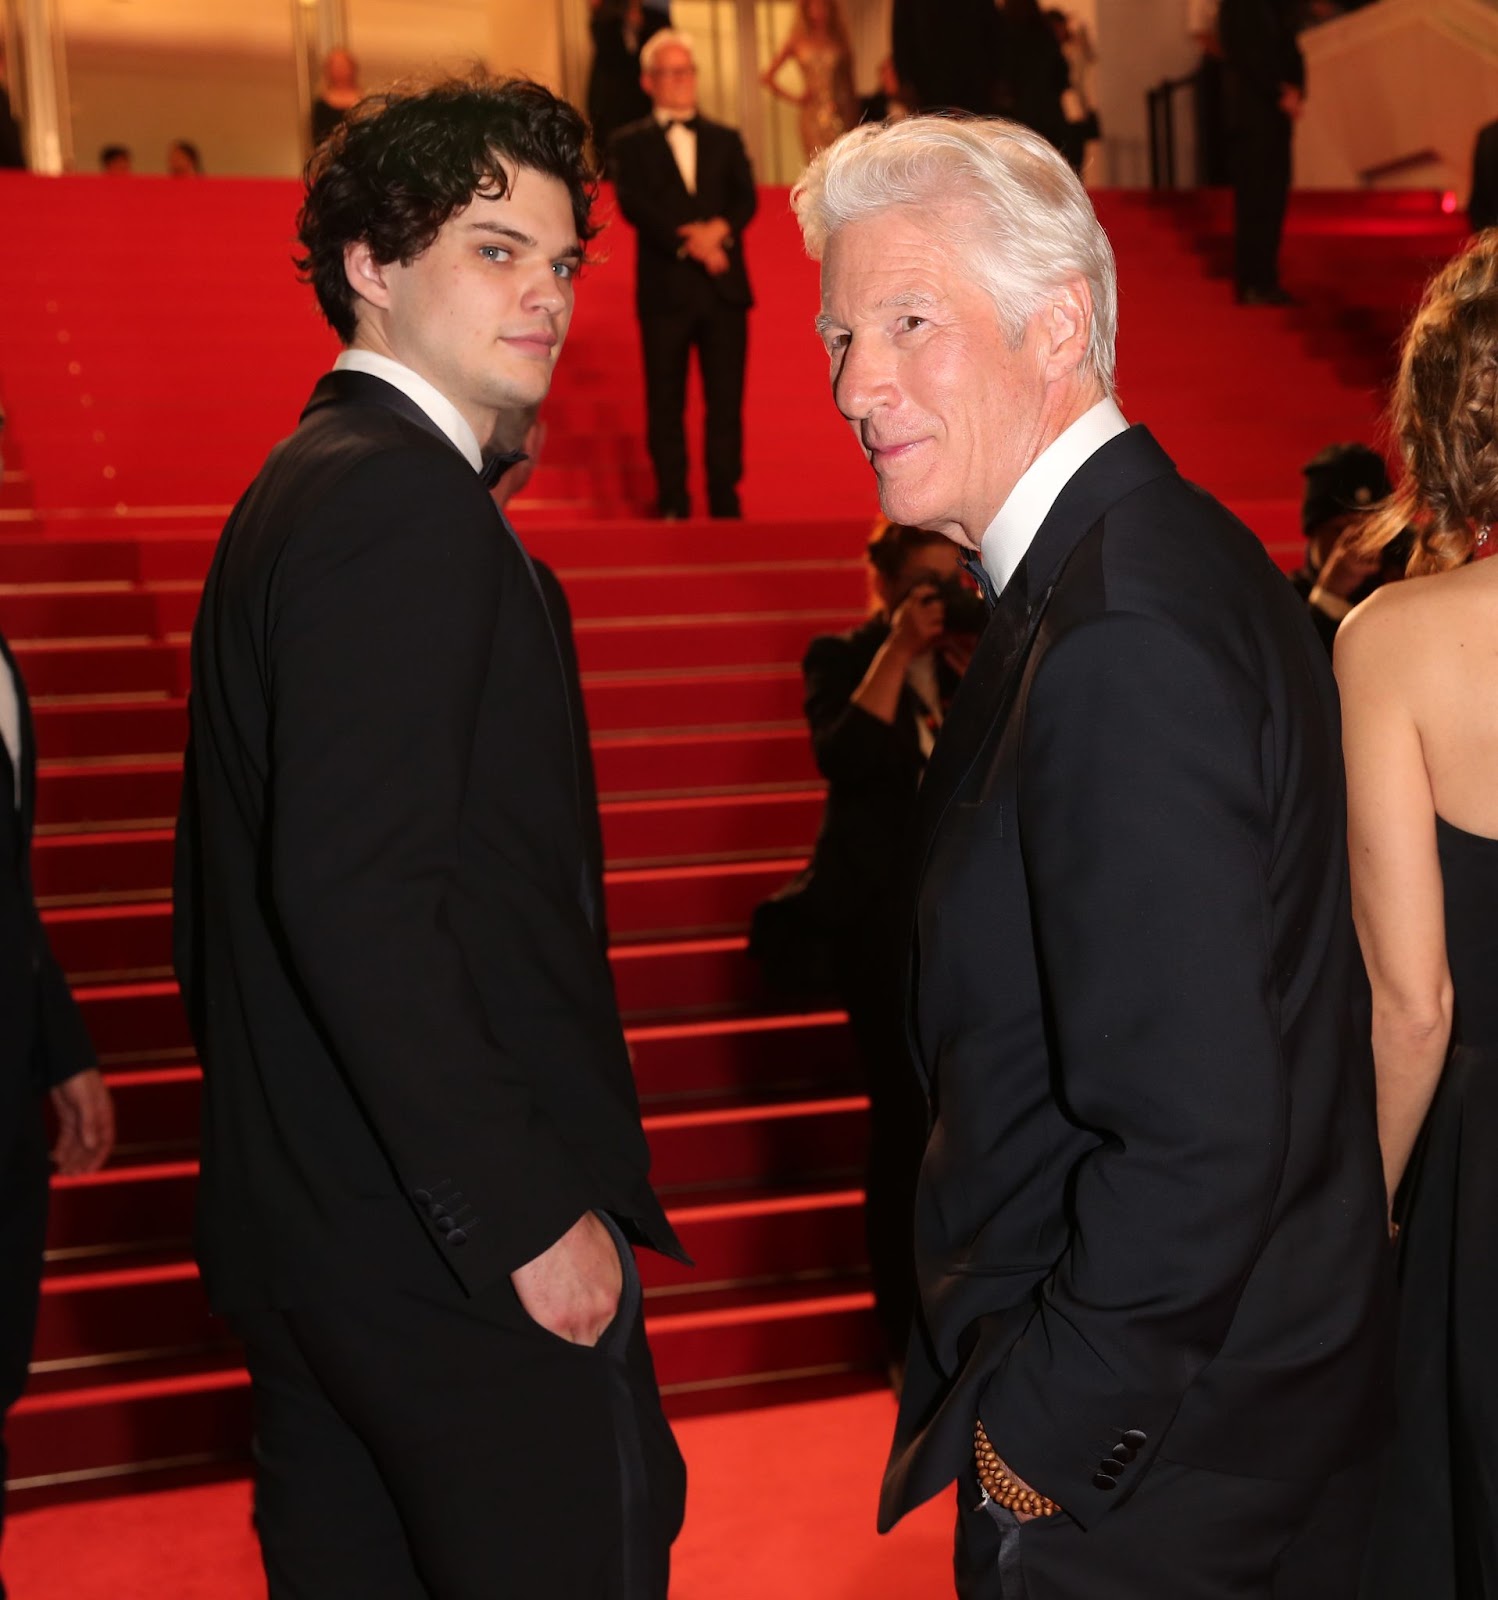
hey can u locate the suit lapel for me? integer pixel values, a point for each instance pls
(983, 705)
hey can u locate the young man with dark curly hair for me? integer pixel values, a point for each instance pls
(423, 1166)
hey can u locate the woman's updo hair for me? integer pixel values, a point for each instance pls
(1443, 415)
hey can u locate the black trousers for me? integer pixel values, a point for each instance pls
(1184, 1534)
(720, 335)
(411, 1447)
(23, 1230)
(1261, 188)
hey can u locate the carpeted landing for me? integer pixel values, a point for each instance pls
(781, 1502)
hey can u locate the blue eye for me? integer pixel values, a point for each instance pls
(565, 270)
(494, 252)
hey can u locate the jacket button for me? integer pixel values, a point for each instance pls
(457, 1236)
(1124, 1452)
(446, 1224)
(422, 1197)
(1103, 1481)
(1134, 1437)
(1112, 1468)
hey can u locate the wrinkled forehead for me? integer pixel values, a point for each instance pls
(903, 252)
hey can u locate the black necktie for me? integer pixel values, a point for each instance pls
(495, 467)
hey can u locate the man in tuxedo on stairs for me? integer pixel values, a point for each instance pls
(423, 1164)
(1150, 1226)
(46, 1051)
(684, 184)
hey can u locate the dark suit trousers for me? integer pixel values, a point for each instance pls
(1261, 188)
(418, 1448)
(720, 334)
(1184, 1534)
(23, 1229)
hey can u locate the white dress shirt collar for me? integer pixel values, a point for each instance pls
(1009, 535)
(432, 401)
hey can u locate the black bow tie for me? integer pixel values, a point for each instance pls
(495, 467)
(691, 124)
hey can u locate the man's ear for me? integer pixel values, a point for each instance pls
(1066, 328)
(365, 275)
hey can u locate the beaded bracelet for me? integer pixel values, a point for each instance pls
(1001, 1486)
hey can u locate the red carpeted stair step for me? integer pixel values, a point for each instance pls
(702, 829)
(723, 1059)
(115, 792)
(122, 1314)
(739, 1147)
(121, 725)
(92, 667)
(654, 644)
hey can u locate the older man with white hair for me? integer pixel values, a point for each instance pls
(1150, 1232)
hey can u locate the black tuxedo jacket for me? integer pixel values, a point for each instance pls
(655, 202)
(43, 1040)
(1151, 1216)
(413, 1065)
(1262, 51)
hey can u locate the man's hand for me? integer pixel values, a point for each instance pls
(1292, 100)
(573, 1288)
(917, 622)
(703, 241)
(85, 1116)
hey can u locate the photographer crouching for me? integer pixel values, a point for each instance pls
(875, 699)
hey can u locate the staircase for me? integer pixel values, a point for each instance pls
(148, 365)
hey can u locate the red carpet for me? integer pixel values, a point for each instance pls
(781, 1502)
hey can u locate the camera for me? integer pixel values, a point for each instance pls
(963, 611)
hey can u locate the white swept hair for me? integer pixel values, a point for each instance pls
(998, 193)
(663, 40)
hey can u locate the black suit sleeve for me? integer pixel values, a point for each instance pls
(1144, 831)
(383, 626)
(851, 745)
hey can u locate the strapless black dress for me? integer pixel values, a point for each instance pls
(1436, 1531)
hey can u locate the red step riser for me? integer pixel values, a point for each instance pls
(68, 669)
(78, 866)
(75, 551)
(100, 945)
(81, 732)
(156, 610)
(142, 1210)
(771, 1057)
(151, 666)
(118, 795)
(128, 1313)
(667, 645)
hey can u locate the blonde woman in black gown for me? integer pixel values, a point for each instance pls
(1418, 668)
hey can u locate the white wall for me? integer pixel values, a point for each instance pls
(1139, 44)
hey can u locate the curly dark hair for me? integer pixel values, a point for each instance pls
(402, 163)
